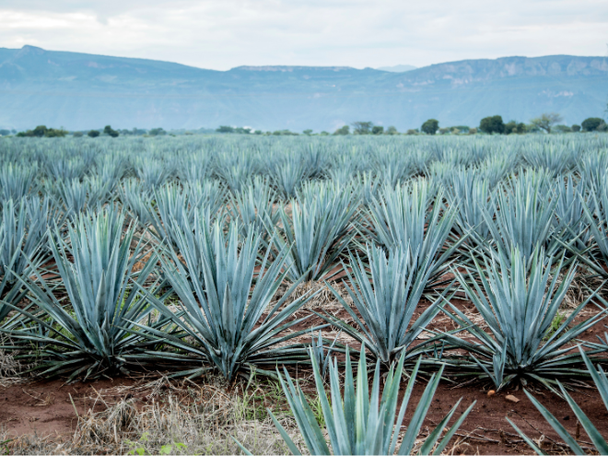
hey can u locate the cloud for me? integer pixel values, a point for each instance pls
(227, 33)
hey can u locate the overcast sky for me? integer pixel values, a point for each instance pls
(221, 34)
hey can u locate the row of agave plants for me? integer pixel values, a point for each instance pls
(184, 277)
(224, 321)
(118, 317)
(39, 165)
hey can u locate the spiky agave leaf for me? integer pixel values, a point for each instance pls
(175, 204)
(360, 421)
(22, 243)
(93, 332)
(602, 345)
(67, 169)
(393, 167)
(76, 196)
(414, 216)
(194, 168)
(16, 182)
(152, 173)
(111, 168)
(519, 297)
(497, 166)
(600, 443)
(472, 196)
(255, 206)
(369, 186)
(572, 226)
(225, 294)
(525, 215)
(318, 231)
(596, 216)
(288, 175)
(237, 170)
(593, 167)
(557, 159)
(322, 353)
(386, 298)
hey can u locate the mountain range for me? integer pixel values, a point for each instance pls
(83, 91)
(397, 68)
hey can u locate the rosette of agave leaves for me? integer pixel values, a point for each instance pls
(362, 420)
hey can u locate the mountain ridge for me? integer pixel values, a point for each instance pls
(81, 91)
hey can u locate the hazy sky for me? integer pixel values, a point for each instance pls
(222, 34)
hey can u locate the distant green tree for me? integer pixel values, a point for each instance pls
(157, 132)
(39, 131)
(4, 132)
(258, 132)
(362, 128)
(225, 129)
(592, 123)
(546, 121)
(510, 127)
(460, 128)
(492, 124)
(307, 132)
(391, 131)
(576, 128)
(430, 127)
(345, 130)
(377, 130)
(514, 127)
(78, 134)
(55, 133)
(108, 130)
(93, 133)
(563, 128)
(412, 131)
(324, 133)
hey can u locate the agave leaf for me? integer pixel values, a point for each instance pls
(360, 420)
(387, 300)
(224, 291)
(96, 265)
(518, 300)
(318, 230)
(601, 382)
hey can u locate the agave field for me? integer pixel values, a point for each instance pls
(370, 280)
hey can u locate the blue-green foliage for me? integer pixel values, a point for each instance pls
(96, 264)
(386, 298)
(360, 420)
(393, 215)
(600, 443)
(23, 230)
(225, 313)
(519, 297)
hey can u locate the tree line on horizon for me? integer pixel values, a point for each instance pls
(547, 123)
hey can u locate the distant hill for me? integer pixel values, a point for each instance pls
(397, 68)
(82, 91)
